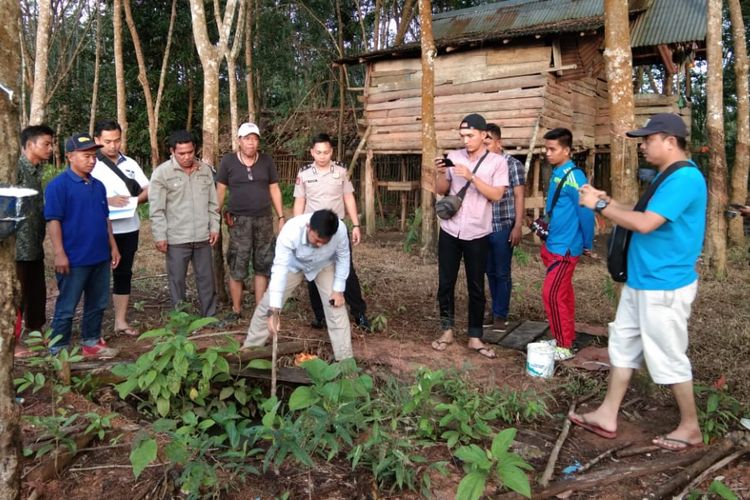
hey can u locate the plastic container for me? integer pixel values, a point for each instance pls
(540, 360)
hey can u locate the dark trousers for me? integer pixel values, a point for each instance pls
(498, 271)
(178, 258)
(474, 253)
(352, 293)
(33, 293)
(127, 244)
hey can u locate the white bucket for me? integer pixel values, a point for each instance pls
(540, 360)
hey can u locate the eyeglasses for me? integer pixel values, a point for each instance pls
(250, 174)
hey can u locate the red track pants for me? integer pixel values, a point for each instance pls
(558, 296)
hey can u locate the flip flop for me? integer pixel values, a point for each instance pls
(679, 445)
(479, 350)
(581, 422)
(127, 331)
(441, 345)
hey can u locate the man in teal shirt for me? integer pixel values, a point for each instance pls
(652, 316)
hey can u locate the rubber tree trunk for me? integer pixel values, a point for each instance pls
(249, 87)
(742, 157)
(10, 435)
(618, 62)
(41, 63)
(716, 229)
(211, 56)
(429, 139)
(122, 106)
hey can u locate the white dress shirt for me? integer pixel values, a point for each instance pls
(295, 254)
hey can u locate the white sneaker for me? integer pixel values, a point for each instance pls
(563, 354)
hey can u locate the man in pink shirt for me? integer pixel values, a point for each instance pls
(466, 233)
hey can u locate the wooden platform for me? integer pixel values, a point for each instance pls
(518, 335)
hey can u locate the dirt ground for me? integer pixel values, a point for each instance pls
(400, 291)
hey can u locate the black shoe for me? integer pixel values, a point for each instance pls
(363, 324)
(318, 324)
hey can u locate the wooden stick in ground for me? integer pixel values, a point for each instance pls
(718, 465)
(599, 457)
(547, 475)
(274, 355)
(714, 454)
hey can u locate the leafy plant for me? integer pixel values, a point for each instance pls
(717, 411)
(413, 230)
(379, 323)
(716, 489)
(496, 464)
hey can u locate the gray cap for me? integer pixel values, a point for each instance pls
(664, 123)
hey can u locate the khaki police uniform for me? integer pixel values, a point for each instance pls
(323, 190)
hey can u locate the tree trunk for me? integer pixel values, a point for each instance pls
(249, 87)
(97, 59)
(619, 67)
(231, 57)
(742, 156)
(10, 433)
(143, 80)
(122, 115)
(407, 13)
(429, 139)
(163, 72)
(41, 63)
(342, 84)
(189, 118)
(210, 56)
(716, 230)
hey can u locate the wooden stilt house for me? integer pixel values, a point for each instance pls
(529, 66)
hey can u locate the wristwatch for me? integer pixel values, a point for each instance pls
(601, 205)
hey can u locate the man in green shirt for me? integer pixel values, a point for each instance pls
(36, 142)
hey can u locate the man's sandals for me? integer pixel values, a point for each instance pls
(675, 445)
(440, 345)
(485, 351)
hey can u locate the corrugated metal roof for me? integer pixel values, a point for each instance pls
(516, 17)
(665, 22)
(653, 22)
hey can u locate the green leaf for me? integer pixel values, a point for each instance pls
(205, 424)
(260, 364)
(315, 368)
(471, 486)
(502, 442)
(722, 490)
(162, 406)
(200, 323)
(713, 403)
(152, 334)
(125, 388)
(143, 454)
(225, 393)
(514, 478)
(474, 455)
(302, 397)
(177, 452)
(164, 425)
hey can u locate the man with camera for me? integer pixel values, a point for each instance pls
(662, 281)
(470, 179)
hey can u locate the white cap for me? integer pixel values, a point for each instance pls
(248, 128)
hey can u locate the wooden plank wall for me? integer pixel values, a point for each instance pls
(504, 84)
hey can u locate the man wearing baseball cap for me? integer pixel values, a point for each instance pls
(253, 185)
(465, 235)
(652, 316)
(81, 233)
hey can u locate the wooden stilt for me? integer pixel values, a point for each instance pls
(369, 194)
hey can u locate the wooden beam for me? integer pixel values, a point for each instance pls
(369, 194)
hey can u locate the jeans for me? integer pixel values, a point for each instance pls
(93, 283)
(498, 271)
(474, 253)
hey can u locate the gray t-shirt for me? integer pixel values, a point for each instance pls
(246, 196)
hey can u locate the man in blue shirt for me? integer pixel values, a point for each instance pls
(81, 234)
(571, 233)
(312, 247)
(652, 316)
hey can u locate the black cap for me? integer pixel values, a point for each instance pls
(665, 123)
(80, 142)
(474, 121)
